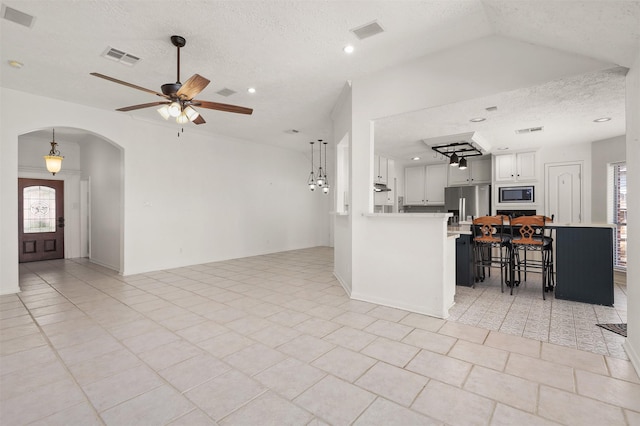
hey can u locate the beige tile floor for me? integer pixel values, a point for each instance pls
(273, 340)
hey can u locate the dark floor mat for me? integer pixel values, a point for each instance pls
(620, 329)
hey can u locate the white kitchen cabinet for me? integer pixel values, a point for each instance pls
(458, 176)
(516, 167)
(478, 171)
(414, 185)
(386, 198)
(424, 185)
(481, 170)
(436, 181)
(381, 169)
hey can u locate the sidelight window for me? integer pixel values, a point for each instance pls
(618, 213)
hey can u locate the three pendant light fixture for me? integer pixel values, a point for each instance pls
(320, 180)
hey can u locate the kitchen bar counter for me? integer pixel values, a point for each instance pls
(410, 262)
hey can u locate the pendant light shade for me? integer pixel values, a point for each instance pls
(463, 163)
(53, 161)
(454, 160)
(325, 187)
(320, 176)
(311, 182)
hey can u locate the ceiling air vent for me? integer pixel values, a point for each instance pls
(367, 30)
(292, 131)
(14, 15)
(491, 108)
(120, 56)
(529, 130)
(226, 92)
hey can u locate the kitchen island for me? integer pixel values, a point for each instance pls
(583, 261)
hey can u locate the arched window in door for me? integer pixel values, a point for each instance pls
(39, 209)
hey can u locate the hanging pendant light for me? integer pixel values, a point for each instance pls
(463, 163)
(54, 159)
(325, 188)
(312, 178)
(454, 160)
(320, 177)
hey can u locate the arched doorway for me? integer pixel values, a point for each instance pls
(92, 175)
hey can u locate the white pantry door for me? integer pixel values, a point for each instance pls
(564, 192)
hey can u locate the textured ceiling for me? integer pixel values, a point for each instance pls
(291, 51)
(565, 108)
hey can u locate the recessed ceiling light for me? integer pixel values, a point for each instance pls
(602, 119)
(251, 90)
(15, 64)
(477, 119)
(415, 158)
(502, 148)
(348, 48)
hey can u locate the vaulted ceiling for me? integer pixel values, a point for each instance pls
(291, 52)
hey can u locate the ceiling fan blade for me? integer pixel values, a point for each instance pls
(150, 104)
(124, 83)
(192, 87)
(222, 107)
(199, 120)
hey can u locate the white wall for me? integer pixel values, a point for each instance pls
(102, 166)
(603, 153)
(632, 345)
(191, 200)
(342, 255)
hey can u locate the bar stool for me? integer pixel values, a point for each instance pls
(489, 234)
(529, 233)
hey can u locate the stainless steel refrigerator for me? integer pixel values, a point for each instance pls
(467, 201)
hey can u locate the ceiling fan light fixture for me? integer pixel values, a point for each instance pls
(164, 112)
(175, 109)
(191, 113)
(182, 118)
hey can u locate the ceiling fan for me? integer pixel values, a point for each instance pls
(179, 98)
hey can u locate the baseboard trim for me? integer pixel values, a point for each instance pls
(399, 305)
(634, 357)
(343, 283)
(104, 265)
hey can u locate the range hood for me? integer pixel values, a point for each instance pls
(380, 187)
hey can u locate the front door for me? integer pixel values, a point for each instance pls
(40, 219)
(564, 193)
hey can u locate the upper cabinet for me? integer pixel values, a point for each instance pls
(478, 171)
(436, 181)
(384, 173)
(516, 167)
(424, 185)
(381, 169)
(414, 186)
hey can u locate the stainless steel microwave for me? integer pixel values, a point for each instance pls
(516, 194)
